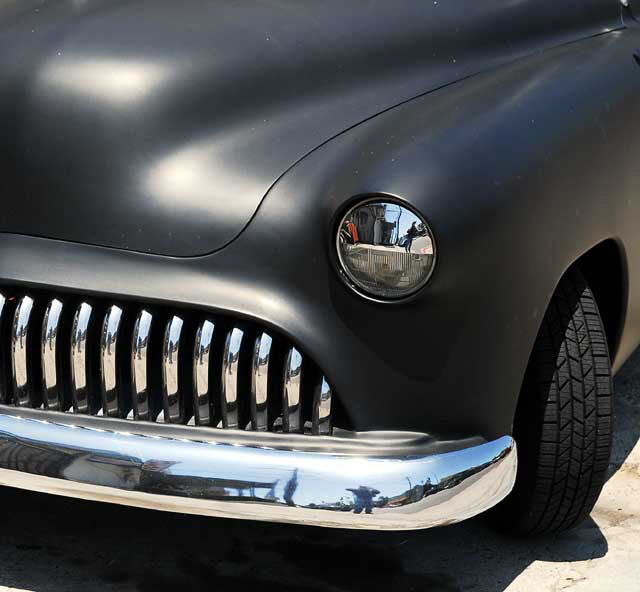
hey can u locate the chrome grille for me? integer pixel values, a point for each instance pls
(132, 361)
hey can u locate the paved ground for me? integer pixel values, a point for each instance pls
(58, 544)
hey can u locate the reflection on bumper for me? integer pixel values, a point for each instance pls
(351, 489)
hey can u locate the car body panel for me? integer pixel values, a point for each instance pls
(509, 221)
(158, 126)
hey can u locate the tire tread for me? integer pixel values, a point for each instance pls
(567, 406)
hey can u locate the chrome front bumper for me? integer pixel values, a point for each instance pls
(373, 481)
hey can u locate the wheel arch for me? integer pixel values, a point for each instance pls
(604, 268)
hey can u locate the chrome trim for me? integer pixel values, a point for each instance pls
(260, 382)
(230, 377)
(53, 398)
(365, 491)
(372, 264)
(75, 363)
(79, 358)
(172, 408)
(22, 389)
(341, 442)
(108, 369)
(291, 393)
(321, 422)
(201, 368)
(139, 354)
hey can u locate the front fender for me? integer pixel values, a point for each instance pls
(519, 171)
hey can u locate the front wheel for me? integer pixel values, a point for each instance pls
(563, 423)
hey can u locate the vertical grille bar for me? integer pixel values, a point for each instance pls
(291, 404)
(19, 361)
(50, 380)
(79, 358)
(4, 387)
(321, 419)
(108, 370)
(259, 382)
(230, 377)
(172, 412)
(87, 356)
(140, 352)
(201, 366)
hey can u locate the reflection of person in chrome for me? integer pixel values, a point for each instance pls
(410, 236)
(363, 497)
(290, 488)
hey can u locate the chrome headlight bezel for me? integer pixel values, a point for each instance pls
(345, 270)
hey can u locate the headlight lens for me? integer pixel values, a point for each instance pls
(386, 250)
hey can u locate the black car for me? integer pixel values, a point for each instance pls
(316, 261)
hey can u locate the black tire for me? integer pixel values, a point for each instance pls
(564, 420)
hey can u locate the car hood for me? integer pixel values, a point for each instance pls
(159, 126)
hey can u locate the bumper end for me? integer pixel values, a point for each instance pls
(366, 487)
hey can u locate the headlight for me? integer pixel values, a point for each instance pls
(386, 250)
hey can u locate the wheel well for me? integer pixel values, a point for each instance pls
(603, 268)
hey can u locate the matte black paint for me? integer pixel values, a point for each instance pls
(520, 170)
(158, 126)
